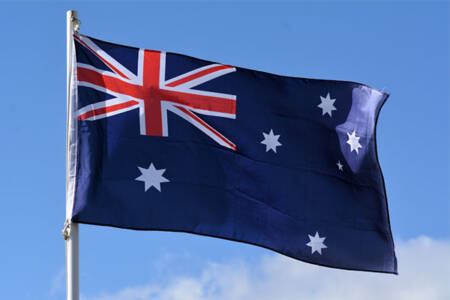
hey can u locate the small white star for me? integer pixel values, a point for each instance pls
(271, 141)
(152, 177)
(353, 141)
(326, 105)
(316, 243)
(340, 166)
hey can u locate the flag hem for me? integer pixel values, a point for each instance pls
(243, 68)
(386, 96)
(73, 139)
(240, 241)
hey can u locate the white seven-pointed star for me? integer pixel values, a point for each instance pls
(353, 141)
(326, 105)
(316, 243)
(152, 177)
(271, 141)
(340, 166)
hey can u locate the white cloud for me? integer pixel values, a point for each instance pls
(58, 283)
(424, 266)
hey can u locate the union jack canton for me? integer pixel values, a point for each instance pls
(153, 94)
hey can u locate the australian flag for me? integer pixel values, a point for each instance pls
(163, 141)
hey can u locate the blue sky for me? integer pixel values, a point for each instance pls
(402, 47)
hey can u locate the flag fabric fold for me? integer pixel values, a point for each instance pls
(162, 141)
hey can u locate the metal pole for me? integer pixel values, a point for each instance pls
(71, 229)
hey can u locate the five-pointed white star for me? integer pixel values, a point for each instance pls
(326, 105)
(353, 141)
(271, 141)
(152, 177)
(340, 166)
(316, 243)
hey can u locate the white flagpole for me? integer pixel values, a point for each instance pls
(70, 231)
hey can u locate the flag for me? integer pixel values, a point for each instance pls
(163, 141)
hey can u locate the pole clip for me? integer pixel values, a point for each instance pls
(76, 23)
(66, 229)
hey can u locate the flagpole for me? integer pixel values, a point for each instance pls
(70, 231)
